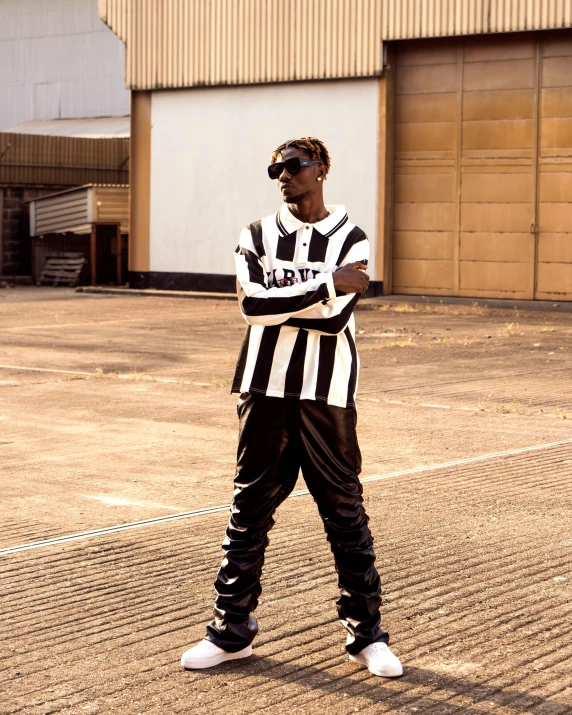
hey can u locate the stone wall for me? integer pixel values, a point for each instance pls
(15, 241)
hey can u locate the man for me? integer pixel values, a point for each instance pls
(300, 273)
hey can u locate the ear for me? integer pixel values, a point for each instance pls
(321, 172)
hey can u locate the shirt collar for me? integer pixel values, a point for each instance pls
(291, 223)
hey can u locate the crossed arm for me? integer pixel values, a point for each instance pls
(323, 304)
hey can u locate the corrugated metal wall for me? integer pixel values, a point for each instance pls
(179, 43)
(33, 160)
(407, 19)
(76, 209)
(68, 211)
(188, 43)
(112, 205)
(58, 61)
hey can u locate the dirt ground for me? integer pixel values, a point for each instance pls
(116, 409)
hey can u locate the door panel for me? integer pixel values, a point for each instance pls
(426, 79)
(424, 245)
(498, 134)
(556, 102)
(427, 137)
(487, 276)
(498, 247)
(483, 166)
(417, 277)
(475, 118)
(512, 47)
(496, 218)
(555, 186)
(434, 187)
(556, 133)
(498, 187)
(554, 248)
(554, 281)
(413, 108)
(556, 44)
(424, 222)
(555, 217)
(423, 217)
(495, 74)
(499, 104)
(556, 71)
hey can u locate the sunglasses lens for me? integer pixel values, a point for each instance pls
(274, 170)
(293, 166)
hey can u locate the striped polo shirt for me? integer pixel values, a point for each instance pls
(300, 340)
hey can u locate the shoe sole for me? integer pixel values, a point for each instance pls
(382, 673)
(222, 658)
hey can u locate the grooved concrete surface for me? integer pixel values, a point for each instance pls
(123, 413)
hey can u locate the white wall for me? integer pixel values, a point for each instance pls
(210, 150)
(58, 61)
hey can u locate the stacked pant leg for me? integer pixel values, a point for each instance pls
(277, 437)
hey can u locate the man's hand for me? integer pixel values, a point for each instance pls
(351, 278)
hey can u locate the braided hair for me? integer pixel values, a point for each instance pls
(313, 146)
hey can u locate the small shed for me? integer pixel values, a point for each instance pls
(92, 219)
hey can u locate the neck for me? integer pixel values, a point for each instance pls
(310, 209)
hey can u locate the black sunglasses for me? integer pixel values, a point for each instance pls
(292, 166)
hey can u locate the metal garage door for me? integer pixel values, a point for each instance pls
(483, 167)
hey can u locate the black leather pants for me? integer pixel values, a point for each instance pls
(278, 436)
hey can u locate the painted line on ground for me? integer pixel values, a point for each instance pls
(45, 369)
(93, 533)
(456, 408)
(121, 375)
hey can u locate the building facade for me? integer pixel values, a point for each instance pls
(58, 61)
(34, 165)
(61, 81)
(449, 125)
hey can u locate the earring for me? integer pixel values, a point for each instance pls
(319, 178)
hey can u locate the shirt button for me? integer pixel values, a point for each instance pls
(304, 244)
(307, 227)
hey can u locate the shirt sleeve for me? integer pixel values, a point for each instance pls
(333, 317)
(272, 306)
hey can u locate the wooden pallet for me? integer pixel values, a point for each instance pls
(62, 269)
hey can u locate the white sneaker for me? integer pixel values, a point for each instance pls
(379, 660)
(206, 654)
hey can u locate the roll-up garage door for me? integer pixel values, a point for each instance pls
(483, 167)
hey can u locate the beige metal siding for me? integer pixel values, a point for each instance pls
(408, 19)
(111, 205)
(115, 14)
(179, 43)
(190, 43)
(29, 159)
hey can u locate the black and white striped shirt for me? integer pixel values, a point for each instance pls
(300, 340)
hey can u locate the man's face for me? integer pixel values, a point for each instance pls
(295, 187)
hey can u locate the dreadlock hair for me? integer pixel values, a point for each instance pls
(311, 145)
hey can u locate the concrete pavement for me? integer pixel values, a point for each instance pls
(116, 409)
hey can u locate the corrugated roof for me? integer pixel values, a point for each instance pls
(36, 160)
(78, 188)
(100, 128)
